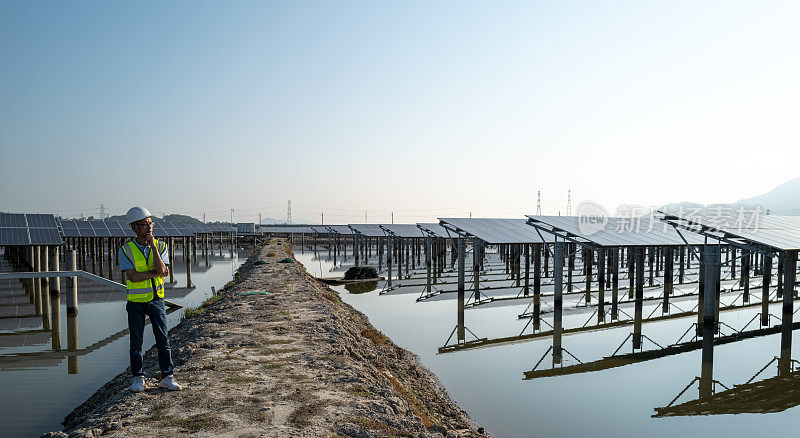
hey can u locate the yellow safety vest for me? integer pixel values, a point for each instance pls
(142, 291)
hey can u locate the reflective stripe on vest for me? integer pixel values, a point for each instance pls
(142, 291)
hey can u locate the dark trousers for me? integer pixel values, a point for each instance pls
(158, 319)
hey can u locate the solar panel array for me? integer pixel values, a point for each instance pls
(18, 229)
(435, 229)
(618, 231)
(779, 232)
(339, 229)
(368, 230)
(403, 230)
(494, 231)
(110, 228)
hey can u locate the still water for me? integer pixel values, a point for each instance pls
(617, 402)
(40, 384)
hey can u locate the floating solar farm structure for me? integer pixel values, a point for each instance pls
(569, 276)
(575, 275)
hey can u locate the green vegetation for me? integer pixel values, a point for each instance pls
(191, 312)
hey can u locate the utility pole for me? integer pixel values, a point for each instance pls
(569, 202)
(289, 212)
(322, 218)
(259, 219)
(231, 216)
(392, 217)
(204, 218)
(539, 204)
(470, 215)
(365, 216)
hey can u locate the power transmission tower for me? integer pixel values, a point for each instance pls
(289, 212)
(539, 204)
(569, 202)
(365, 216)
(102, 211)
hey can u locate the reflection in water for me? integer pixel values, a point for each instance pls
(35, 357)
(72, 343)
(774, 394)
(361, 287)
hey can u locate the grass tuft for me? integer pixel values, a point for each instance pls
(374, 335)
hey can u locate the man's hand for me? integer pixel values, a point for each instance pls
(150, 239)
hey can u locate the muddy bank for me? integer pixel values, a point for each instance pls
(294, 362)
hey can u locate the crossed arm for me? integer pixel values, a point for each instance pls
(161, 268)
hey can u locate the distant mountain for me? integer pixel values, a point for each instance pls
(784, 199)
(271, 221)
(182, 218)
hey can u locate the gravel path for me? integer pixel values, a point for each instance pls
(296, 362)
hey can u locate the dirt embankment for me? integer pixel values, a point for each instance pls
(296, 362)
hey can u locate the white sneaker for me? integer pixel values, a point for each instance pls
(138, 384)
(170, 383)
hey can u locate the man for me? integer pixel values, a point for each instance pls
(145, 263)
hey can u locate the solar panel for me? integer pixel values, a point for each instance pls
(494, 231)
(12, 220)
(41, 221)
(69, 228)
(779, 232)
(14, 236)
(620, 231)
(86, 232)
(368, 230)
(435, 229)
(403, 230)
(181, 229)
(99, 228)
(119, 229)
(340, 229)
(45, 236)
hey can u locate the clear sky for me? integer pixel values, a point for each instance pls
(428, 109)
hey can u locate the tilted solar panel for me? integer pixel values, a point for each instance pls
(14, 236)
(403, 230)
(368, 230)
(14, 220)
(45, 236)
(41, 221)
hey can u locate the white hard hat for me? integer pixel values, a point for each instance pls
(136, 214)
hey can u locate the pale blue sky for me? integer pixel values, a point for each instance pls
(424, 108)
